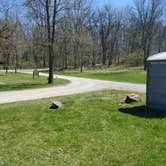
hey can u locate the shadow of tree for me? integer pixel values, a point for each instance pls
(21, 86)
(141, 111)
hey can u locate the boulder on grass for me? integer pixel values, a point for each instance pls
(132, 98)
(56, 105)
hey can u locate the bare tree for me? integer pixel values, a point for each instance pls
(72, 34)
(105, 18)
(147, 12)
(51, 9)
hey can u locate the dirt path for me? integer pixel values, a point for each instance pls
(76, 86)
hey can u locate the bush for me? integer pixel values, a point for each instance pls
(134, 59)
(27, 65)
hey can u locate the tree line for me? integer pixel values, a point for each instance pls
(75, 34)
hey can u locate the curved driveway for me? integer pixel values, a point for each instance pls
(76, 86)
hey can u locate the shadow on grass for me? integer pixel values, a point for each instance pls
(20, 86)
(141, 111)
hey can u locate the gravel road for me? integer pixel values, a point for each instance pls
(76, 86)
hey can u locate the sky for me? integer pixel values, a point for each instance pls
(114, 3)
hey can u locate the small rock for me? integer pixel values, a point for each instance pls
(132, 98)
(56, 105)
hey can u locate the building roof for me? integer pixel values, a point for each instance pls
(157, 57)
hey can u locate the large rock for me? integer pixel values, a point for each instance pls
(56, 105)
(132, 98)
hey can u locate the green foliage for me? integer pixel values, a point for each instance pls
(134, 59)
(88, 130)
(19, 81)
(115, 73)
(27, 64)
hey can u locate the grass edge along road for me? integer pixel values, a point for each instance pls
(119, 74)
(20, 81)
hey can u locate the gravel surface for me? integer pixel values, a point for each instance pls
(76, 86)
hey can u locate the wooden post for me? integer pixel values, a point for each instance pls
(6, 70)
(35, 72)
(15, 70)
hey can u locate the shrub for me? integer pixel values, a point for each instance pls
(134, 59)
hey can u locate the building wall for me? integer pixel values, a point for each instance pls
(156, 86)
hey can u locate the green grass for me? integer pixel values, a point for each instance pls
(121, 74)
(88, 130)
(19, 81)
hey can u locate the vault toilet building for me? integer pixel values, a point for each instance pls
(156, 82)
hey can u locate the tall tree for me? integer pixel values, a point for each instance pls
(51, 9)
(105, 18)
(147, 12)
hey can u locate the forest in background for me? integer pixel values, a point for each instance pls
(72, 34)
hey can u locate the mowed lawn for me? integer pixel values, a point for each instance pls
(121, 74)
(90, 129)
(20, 81)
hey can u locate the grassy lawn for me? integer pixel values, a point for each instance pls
(121, 74)
(90, 129)
(19, 81)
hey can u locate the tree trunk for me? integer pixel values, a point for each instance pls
(81, 67)
(17, 60)
(75, 54)
(44, 61)
(65, 58)
(111, 54)
(93, 58)
(110, 59)
(144, 58)
(104, 57)
(51, 65)
(51, 39)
